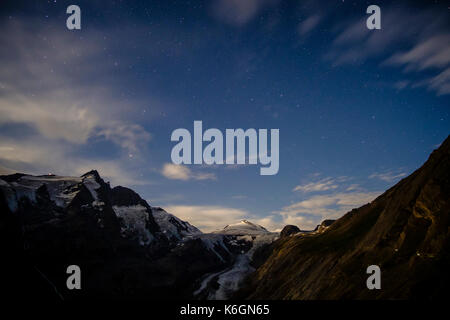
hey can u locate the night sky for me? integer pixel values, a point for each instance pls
(357, 109)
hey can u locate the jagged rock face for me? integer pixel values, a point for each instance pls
(57, 198)
(135, 215)
(324, 225)
(64, 220)
(50, 222)
(405, 231)
(288, 230)
(124, 247)
(173, 228)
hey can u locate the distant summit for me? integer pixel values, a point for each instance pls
(243, 227)
(405, 231)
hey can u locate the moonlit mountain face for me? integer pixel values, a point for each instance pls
(405, 231)
(243, 227)
(113, 233)
(356, 109)
(224, 150)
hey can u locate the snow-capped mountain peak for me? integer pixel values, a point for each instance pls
(243, 227)
(137, 219)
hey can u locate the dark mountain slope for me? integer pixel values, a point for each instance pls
(50, 222)
(125, 248)
(405, 231)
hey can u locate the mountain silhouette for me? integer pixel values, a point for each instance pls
(405, 231)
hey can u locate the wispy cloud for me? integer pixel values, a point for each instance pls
(272, 222)
(306, 213)
(211, 218)
(430, 53)
(353, 187)
(439, 83)
(321, 185)
(57, 104)
(311, 211)
(332, 197)
(355, 43)
(180, 172)
(309, 24)
(39, 156)
(402, 84)
(208, 218)
(433, 52)
(388, 176)
(47, 87)
(239, 12)
(426, 32)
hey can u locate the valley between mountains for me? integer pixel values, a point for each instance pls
(128, 249)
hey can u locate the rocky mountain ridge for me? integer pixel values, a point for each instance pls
(405, 232)
(126, 247)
